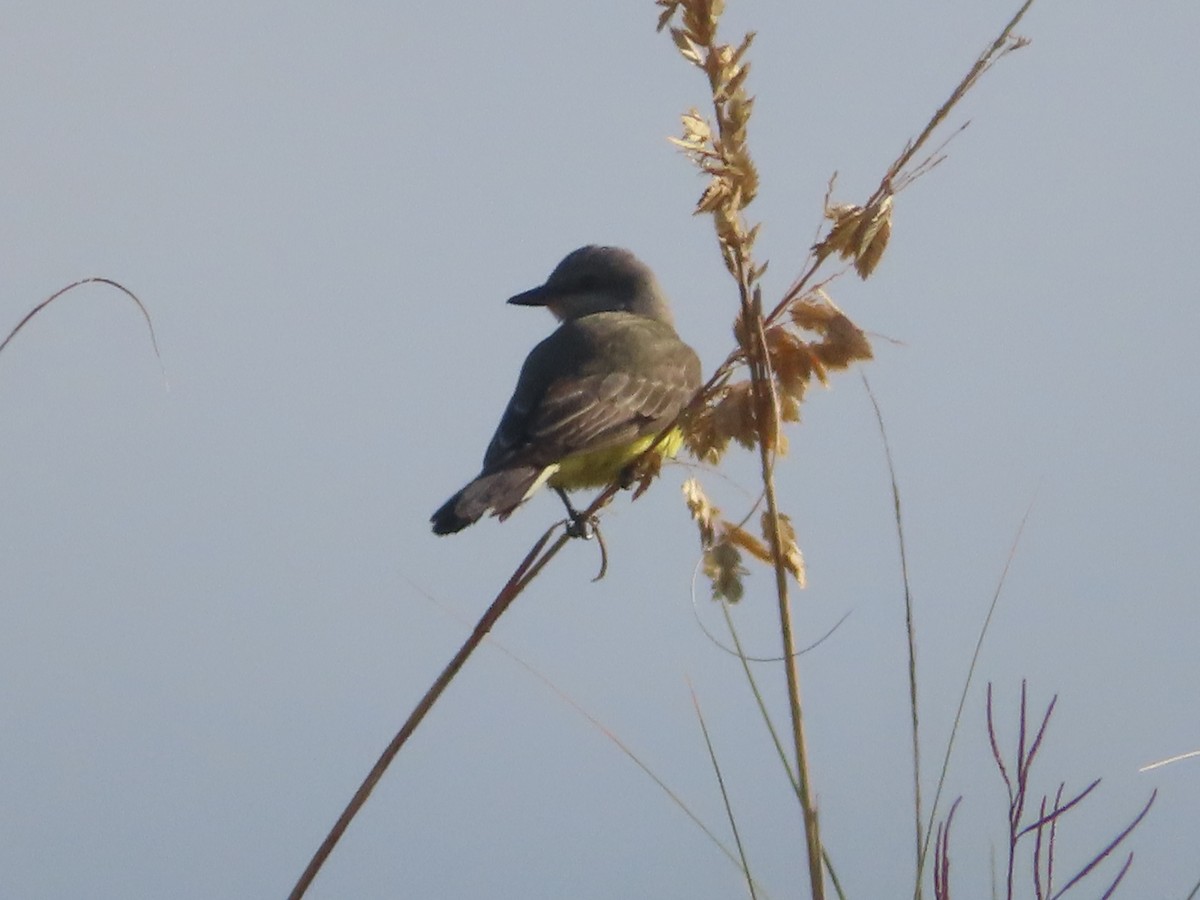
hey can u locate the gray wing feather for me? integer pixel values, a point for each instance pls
(590, 385)
(599, 381)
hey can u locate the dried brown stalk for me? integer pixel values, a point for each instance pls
(96, 279)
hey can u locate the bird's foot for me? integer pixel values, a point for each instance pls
(582, 526)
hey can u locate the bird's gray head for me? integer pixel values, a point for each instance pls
(599, 279)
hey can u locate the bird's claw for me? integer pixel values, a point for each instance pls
(582, 526)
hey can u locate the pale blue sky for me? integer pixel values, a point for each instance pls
(215, 609)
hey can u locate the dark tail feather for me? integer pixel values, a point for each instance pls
(499, 493)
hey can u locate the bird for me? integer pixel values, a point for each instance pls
(592, 397)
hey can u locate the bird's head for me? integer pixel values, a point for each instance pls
(599, 279)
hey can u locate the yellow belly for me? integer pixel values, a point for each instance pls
(600, 467)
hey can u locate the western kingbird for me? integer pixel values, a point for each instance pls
(590, 398)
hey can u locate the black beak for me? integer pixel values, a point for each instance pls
(538, 296)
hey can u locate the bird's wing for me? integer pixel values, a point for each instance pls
(597, 382)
